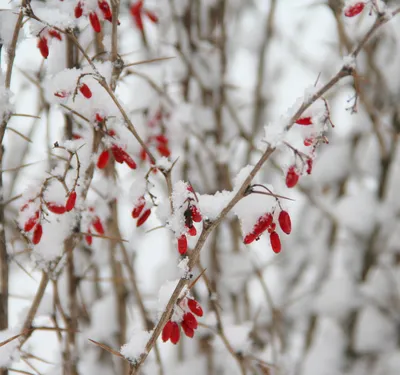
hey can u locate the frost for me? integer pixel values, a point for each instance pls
(349, 61)
(183, 266)
(212, 205)
(136, 345)
(275, 133)
(163, 163)
(8, 19)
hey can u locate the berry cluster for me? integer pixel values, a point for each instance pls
(140, 212)
(188, 322)
(160, 142)
(191, 215)
(103, 9)
(96, 224)
(266, 223)
(44, 36)
(120, 155)
(33, 222)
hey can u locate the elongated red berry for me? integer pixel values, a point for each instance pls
(166, 332)
(102, 161)
(151, 16)
(55, 34)
(163, 150)
(105, 8)
(136, 12)
(182, 244)
(354, 10)
(89, 238)
(189, 332)
(37, 234)
(56, 208)
(69, 206)
(85, 90)
(143, 154)
(292, 177)
(161, 138)
(95, 22)
(194, 307)
(263, 223)
(192, 231)
(78, 11)
(43, 47)
(142, 219)
(249, 238)
(31, 222)
(284, 222)
(304, 121)
(119, 153)
(98, 225)
(308, 142)
(99, 118)
(129, 161)
(138, 209)
(175, 333)
(275, 242)
(309, 166)
(61, 94)
(196, 215)
(190, 320)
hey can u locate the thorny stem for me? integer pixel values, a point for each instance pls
(194, 256)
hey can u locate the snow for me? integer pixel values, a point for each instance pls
(136, 345)
(8, 352)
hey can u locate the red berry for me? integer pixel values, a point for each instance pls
(292, 177)
(55, 34)
(272, 228)
(189, 332)
(129, 161)
(275, 242)
(112, 133)
(136, 12)
(151, 16)
(309, 166)
(143, 218)
(69, 206)
(103, 159)
(76, 136)
(31, 222)
(163, 150)
(304, 121)
(43, 47)
(285, 222)
(119, 153)
(89, 238)
(56, 208)
(182, 244)
(192, 231)
(95, 22)
(190, 320)
(105, 8)
(138, 209)
(98, 225)
(249, 238)
(355, 9)
(167, 330)
(175, 333)
(78, 10)
(143, 154)
(262, 224)
(195, 307)
(61, 94)
(99, 118)
(161, 139)
(37, 234)
(85, 90)
(308, 142)
(196, 215)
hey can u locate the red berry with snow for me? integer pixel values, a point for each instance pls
(37, 234)
(95, 22)
(304, 121)
(98, 225)
(43, 47)
(142, 219)
(354, 10)
(194, 307)
(56, 208)
(102, 161)
(85, 90)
